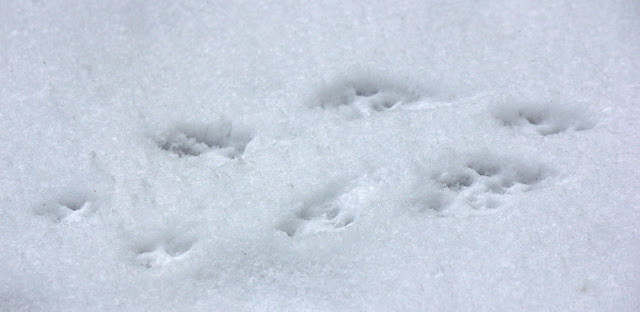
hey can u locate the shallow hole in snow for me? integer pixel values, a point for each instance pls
(544, 119)
(194, 139)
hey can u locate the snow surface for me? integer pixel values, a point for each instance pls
(328, 156)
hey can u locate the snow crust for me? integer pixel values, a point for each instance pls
(325, 156)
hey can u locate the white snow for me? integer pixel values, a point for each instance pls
(326, 156)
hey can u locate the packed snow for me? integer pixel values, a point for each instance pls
(320, 156)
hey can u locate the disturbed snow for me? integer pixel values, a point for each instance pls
(326, 156)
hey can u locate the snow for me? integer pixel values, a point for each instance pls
(349, 156)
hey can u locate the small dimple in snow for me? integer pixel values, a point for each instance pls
(455, 181)
(73, 205)
(534, 119)
(311, 219)
(484, 168)
(365, 92)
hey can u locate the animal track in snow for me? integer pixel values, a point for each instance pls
(478, 182)
(162, 251)
(195, 139)
(361, 96)
(334, 208)
(69, 207)
(543, 119)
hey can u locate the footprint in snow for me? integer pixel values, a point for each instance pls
(362, 96)
(331, 209)
(542, 119)
(69, 207)
(192, 139)
(162, 250)
(478, 182)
